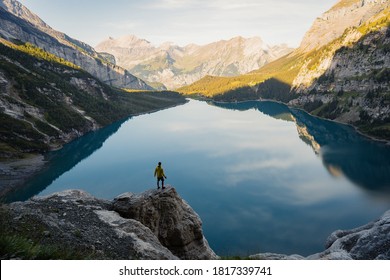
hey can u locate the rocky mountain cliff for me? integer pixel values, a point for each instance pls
(176, 66)
(333, 23)
(342, 27)
(154, 225)
(346, 77)
(19, 23)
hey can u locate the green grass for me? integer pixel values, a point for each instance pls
(23, 242)
(380, 131)
(39, 53)
(18, 247)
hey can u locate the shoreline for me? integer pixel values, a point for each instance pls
(355, 128)
(15, 172)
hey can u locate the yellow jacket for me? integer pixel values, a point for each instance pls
(159, 172)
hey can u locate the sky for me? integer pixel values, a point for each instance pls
(181, 21)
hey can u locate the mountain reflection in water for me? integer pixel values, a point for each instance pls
(253, 171)
(343, 151)
(63, 160)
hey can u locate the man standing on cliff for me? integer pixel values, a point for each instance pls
(159, 172)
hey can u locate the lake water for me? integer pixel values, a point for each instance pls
(262, 177)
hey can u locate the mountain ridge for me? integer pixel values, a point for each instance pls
(175, 66)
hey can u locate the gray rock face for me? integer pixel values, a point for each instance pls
(143, 243)
(343, 15)
(361, 70)
(369, 242)
(75, 219)
(347, 52)
(170, 218)
(343, 26)
(17, 22)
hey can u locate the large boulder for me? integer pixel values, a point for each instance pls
(76, 221)
(170, 218)
(368, 242)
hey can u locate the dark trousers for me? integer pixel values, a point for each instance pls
(158, 181)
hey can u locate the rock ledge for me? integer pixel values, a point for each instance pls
(165, 226)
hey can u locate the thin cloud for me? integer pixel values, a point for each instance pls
(235, 5)
(120, 25)
(171, 4)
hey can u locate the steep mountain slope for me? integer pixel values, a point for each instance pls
(176, 66)
(54, 88)
(18, 23)
(348, 79)
(342, 26)
(333, 23)
(46, 101)
(340, 71)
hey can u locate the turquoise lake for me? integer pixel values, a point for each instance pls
(262, 177)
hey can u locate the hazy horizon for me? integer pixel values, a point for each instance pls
(181, 22)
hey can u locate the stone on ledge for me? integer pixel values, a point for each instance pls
(170, 218)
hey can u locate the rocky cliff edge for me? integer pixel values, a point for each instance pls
(153, 225)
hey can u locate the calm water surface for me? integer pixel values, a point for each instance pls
(262, 177)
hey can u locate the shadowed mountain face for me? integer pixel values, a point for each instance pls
(19, 23)
(342, 150)
(269, 89)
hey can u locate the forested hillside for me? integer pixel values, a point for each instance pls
(46, 101)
